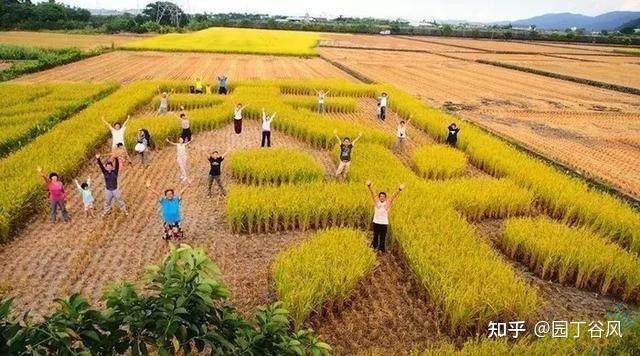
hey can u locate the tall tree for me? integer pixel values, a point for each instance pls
(165, 13)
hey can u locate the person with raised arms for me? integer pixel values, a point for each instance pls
(181, 156)
(84, 189)
(266, 128)
(346, 146)
(322, 95)
(171, 207)
(222, 84)
(117, 131)
(163, 108)
(381, 206)
(111, 192)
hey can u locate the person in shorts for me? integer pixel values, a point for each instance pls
(346, 146)
(84, 189)
(171, 208)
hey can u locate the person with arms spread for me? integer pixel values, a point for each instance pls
(171, 206)
(86, 195)
(382, 205)
(266, 128)
(117, 132)
(222, 84)
(111, 192)
(345, 154)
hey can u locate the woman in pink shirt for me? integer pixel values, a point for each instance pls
(56, 196)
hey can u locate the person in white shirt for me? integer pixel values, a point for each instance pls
(181, 156)
(321, 96)
(266, 128)
(237, 118)
(164, 103)
(401, 134)
(383, 101)
(117, 132)
(382, 205)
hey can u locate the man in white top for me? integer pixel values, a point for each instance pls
(237, 118)
(383, 101)
(266, 128)
(117, 132)
(382, 205)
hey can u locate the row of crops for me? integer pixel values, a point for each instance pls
(29, 110)
(593, 245)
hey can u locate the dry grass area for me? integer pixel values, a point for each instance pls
(128, 66)
(594, 130)
(60, 40)
(586, 47)
(388, 314)
(387, 42)
(625, 73)
(47, 260)
(488, 45)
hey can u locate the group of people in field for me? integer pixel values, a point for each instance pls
(170, 200)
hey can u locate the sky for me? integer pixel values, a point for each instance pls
(471, 10)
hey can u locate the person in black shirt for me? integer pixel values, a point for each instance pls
(346, 145)
(215, 160)
(111, 192)
(452, 138)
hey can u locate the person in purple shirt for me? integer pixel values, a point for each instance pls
(111, 191)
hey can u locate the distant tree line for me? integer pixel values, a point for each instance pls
(164, 17)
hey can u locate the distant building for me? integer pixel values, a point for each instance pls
(385, 32)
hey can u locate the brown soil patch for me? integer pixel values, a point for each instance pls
(128, 66)
(387, 315)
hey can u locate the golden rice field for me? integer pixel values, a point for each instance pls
(484, 231)
(233, 40)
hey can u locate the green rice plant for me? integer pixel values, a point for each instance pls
(568, 198)
(274, 166)
(573, 256)
(233, 40)
(439, 162)
(325, 268)
(302, 206)
(60, 151)
(188, 101)
(332, 104)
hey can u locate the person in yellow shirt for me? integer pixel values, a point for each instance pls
(199, 87)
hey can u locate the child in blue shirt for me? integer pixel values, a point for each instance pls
(87, 196)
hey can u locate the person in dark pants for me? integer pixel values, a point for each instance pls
(266, 128)
(383, 101)
(382, 205)
(111, 192)
(452, 137)
(215, 173)
(222, 84)
(57, 196)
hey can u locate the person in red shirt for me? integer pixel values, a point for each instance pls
(56, 196)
